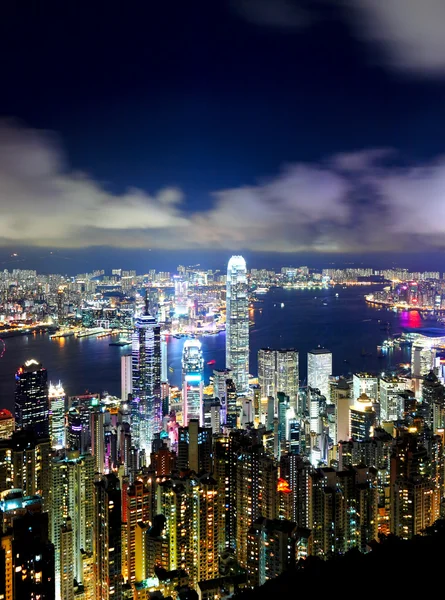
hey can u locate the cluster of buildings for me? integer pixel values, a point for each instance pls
(418, 294)
(213, 489)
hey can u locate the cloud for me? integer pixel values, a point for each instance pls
(356, 201)
(281, 14)
(409, 32)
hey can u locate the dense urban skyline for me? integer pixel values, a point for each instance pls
(222, 295)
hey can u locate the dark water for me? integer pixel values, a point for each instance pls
(347, 326)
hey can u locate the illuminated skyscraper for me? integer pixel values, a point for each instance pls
(266, 371)
(66, 562)
(287, 374)
(7, 424)
(108, 538)
(126, 377)
(31, 398)
(146, 410)
(237, 324)
(364, 383)
(278, 372)
(192, 381)
(56, 396)
(319, 369)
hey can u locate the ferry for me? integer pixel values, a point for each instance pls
(211, 362)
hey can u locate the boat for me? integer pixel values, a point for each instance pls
(282, 305)
(171, 369)
(211, 362)
(120, 343)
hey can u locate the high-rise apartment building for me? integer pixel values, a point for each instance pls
(319, 369)
(267, 371)
(66, 561)
(237, 324)
(108, 538)
(192, 381)
(31, 398)
(271, 549)
(146, 412)
(139, 510)
(29, 558)
(57, 406)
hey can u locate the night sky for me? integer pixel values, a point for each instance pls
(146, 133)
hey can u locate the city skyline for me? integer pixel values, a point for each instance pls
(222, 296)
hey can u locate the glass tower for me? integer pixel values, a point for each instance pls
(31, 398)
(237, 324)
(319, 369)
(146, 413)
(192, 381)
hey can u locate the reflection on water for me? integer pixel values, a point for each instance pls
(344, 324)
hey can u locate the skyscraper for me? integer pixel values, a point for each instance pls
(287, 374)
(146, 361)
(192, 381)
(237, 324)
(126, 376)
(108, 538)
(56, 396)
(319, 369)
(266, 371)
(31, 398)
(278, 372)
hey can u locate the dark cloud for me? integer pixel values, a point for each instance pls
(347, 203)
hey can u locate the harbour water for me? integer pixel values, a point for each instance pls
(304, 319)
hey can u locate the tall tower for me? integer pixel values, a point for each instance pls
(66, 561)
(266, 372)
(56, 396)
(31, 398)
(319, 369)
(146, 362)
(108, 538)
(237, 324)
(192, 381)
(287, 374)
(126, 377)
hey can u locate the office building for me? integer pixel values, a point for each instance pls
(107, 538)
(266, 371)
(362, 419)
(97, 428)
(146, 409)
(220, 378)
(341, 398)
(392, 407)
(126, 377)
(192, 382)
(7, 424)
(237, 324)
(31, 398)
(195, 448)
(364, 383)
(57, 405)
(319, 370)
(278, 372)
(422, 359)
